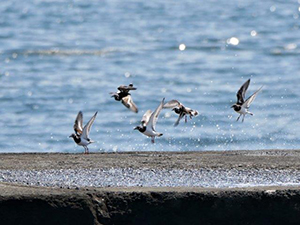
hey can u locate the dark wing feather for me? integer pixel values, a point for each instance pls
(181, 115)
(241, 93)
(78, 123)
(126, 88)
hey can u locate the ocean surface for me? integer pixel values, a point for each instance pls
(59, 57)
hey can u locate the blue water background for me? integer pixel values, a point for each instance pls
(59, 57)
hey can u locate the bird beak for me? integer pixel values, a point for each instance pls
(70, 136)
(232, 106)
(135, 128)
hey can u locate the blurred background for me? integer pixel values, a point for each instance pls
(59, 57)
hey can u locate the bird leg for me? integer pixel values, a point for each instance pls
(238, 117)
(152, 139)
(86, 150)
(186, 118)
(243, 117)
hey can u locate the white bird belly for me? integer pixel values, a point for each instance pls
(150, 133)
(84, 142)
(243, 111)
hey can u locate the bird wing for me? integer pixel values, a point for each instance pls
(172, 104)
(248, 102)
(78, 123)
(181, 115)
(155, 114)
(126, 88)
(146, 117)
(87, 127)
(241, 93)
(128, 102)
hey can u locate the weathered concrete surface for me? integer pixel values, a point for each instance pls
(268, 159)
(261, 205)
(38, 205)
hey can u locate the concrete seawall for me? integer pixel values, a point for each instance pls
(136, 206)
(32, 189)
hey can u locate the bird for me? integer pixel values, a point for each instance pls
(180, 109)
(124, 96)
(242, 105)
(81, 135)
(148, 123)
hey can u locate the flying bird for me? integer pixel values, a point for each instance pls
(81, 136)
(124, 96)
(242, 105)
(148, 123)
(180, 109)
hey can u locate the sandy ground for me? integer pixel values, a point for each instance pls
(266, 159)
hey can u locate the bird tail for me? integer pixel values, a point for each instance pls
(160, 134)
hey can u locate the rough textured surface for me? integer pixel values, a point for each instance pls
(148, 177)
(153, 169)
(30, 204)
(135, 206)
(268, 159)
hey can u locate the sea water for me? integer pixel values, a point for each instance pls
(59, 57)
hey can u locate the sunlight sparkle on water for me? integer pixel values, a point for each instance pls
(273, 8)
(233, 41)
(253, 33)
(291, 46)
(182, 47)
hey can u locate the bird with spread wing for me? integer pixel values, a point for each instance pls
(124, 96)
(242, 105)
(180, 109)
(81, 136)
(148, 123)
